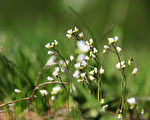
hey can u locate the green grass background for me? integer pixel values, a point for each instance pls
(27, 25)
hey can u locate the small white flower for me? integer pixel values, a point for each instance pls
(116, 38)
(47, 45)
(111, 40)
(57, 69)
(95, 70)
(75, 30)
(81, 35)
(134, 71)
(106, 47)
(104, 107)
(91, 41)
(102, 101)
(130, 62)
(77, 65)
(70, 31)
(131, 100)
(79, 80)
(50, 52)
(120, 65)
(87, 58)
(50, 78)
(95, 50)
(82, 46)
(56, 42)
(120, 116)
(93, 56)
(82, 75)
(52, 44)
(56, 89)
(43, 92)
(72, 58)
(69, 36)
(101, 70)
(53, 98)
(80, 57)
(91, 72)
(17, 91)
(118, 49)
(84, 63)
(104, 51)
(76, 74)
(91, 78)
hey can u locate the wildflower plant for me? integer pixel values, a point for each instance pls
(84, 68)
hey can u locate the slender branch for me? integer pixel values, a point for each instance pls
(30, 99)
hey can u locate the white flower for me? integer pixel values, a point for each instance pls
(43, 92)
(79, 80)
(56, 89)
(91, 72)
(81, 35)
(75, 30)
(95, 70)
(17, 91)
(120, 65)
(111, 40)
(104, 51)
(101, 70)
(91, 41)
(106, 47)
(76, 74)
(120, 116)
(69, 36)
(130, 62)
(82, 75)
(77, 65)
(131, 100)
(56, 72)
(70, 31)
(87, 57)
(72, 58)
(134, 71)
(91, 78)
(50, 78)
(50, 52)
(102, 101)
(47, 45)
(80, 57)
(104, 107)
(51, 61)
(56, 42)
(84, 63)
(52, 44)
(82, 46)
(118, 49)
(53, 98)
(95, 50)
(116, 38)
(57, 69)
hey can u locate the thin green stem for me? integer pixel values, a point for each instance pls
(124, 83)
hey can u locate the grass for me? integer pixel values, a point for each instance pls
(24, 34)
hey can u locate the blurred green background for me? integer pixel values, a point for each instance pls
(27, 25)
